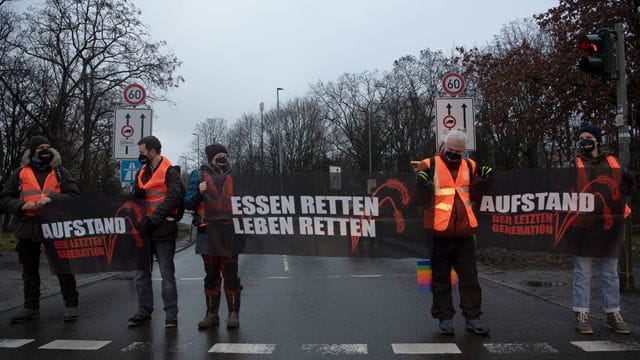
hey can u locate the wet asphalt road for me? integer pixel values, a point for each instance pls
(308, 308)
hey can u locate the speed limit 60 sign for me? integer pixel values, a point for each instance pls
(453, 84)
(134, 94)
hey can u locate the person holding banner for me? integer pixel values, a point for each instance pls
(39, 181)
(158, 183)
(448, 179)
(210, 189)
(591, 161)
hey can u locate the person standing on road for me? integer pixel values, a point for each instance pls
(590, 245)
(447, 178)
(39, 181)
(210, 189)
(158, 183)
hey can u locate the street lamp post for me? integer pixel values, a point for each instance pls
(262, 136)
(279, 136)
(198, 158)
(279, 128)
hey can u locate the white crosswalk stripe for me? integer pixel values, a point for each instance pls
(227, 348)
(75, 345)
(426, 348)
(593, 346)
(335, 349)
(14, 343)
(529, 348)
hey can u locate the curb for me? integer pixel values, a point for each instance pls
(487, 276)
(18, 301)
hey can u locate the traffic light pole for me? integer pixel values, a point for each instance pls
(624, 139)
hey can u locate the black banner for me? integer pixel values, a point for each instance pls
(353, 215)
(94, 234)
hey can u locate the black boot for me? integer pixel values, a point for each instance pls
(233, 302)
(25, 315)
(211, 317)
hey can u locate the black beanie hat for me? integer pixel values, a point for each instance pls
(36, 141)
(593, 130)
(213, 149)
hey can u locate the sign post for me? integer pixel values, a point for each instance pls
(134, 94)
(128, 170)
(453, 84)
(130, 126)
(456, 113)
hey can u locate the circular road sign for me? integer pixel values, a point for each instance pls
(453, 84)
(134, 94)
(449, 122)
(127, 131)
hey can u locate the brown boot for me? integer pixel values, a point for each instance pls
(233, 302)
(211, 317)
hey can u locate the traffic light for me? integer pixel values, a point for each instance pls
(597, 48)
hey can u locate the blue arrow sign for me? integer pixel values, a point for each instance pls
(128, 170)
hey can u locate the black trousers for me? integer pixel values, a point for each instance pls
(29, 255)
(218, 269)
(458, 254)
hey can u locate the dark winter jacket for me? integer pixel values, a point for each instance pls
(590, 238)
(27, 228)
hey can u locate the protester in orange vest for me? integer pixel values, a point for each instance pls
(590, 245)
(158, 183)
(210, 189)
(448, 179)
(39, 181)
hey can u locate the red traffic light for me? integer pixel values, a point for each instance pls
(596, 59)
(590, 42)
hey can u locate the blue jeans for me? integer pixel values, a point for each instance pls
(609, 283)
(164, 252)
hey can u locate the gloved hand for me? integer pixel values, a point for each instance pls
(630, 179)
(147, 225)
(486, 172)
(423, 178)
(140, 193)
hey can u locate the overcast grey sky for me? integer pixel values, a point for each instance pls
(235, 53)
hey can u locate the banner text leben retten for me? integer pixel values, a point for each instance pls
(316, 215)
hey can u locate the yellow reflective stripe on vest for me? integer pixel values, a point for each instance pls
(443, 206)
(445, 191)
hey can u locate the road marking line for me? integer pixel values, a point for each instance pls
(14, 343)
(507, 348)
(335, 349)
(75, 345)
(366, 276)
(137, 346)
(285, 260)
(279, 277)
(605, 345)
(426, 348)
(227, 348)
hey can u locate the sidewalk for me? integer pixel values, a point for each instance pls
(555, 286)
(11, 277)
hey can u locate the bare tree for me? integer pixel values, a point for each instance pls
(352, 106)
(80, 53)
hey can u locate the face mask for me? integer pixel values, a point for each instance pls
(44, 155)
(143, 159)
(586, 145)
(453, 157)
(221, 162)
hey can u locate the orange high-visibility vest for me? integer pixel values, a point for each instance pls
(220, 206)
(31, 190)
(446, 188)
(583, 179)
(156, 187)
